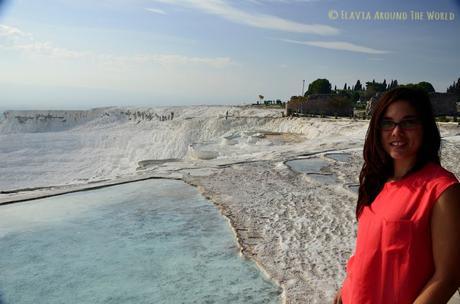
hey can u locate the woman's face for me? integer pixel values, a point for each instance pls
(401, 131)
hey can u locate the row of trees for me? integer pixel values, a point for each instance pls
(363, 92)
(359, 92)
(323, 86)
(454, 88)
(269, 102)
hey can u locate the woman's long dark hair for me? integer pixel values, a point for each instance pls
(378, 165)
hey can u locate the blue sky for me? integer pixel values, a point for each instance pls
(81, 54)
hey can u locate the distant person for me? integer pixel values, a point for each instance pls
(172, 115)
(408, 242)
(226, 115)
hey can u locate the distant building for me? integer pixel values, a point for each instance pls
(320, 104)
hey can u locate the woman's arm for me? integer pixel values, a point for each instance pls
(445, 231)
(338, 297)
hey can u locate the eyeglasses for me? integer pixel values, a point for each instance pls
(405, 124)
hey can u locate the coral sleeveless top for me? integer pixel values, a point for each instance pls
(393, 258)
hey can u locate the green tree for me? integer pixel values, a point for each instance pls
(261, 97)
(393, 84)
(372, 88)
(375, 86)
(428, 87)
(319, 86)
(358, 86)
(454, 88)
(355, 96)
(425, 86)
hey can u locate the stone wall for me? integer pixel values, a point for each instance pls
(321, 104)
(444, 104)
(295, 105)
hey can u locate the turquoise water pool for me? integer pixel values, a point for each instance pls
(155, 241)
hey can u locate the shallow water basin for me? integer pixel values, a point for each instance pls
(313, 168)
(155, 241)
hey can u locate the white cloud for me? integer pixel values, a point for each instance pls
(224, 10)
(6, 30)
(339, 45)
(15, 39)
(167, 60)
(156, 11)
(281, 1)
(46, 49)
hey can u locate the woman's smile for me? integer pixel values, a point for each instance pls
(401, 134)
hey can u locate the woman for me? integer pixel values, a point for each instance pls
(408, 241)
